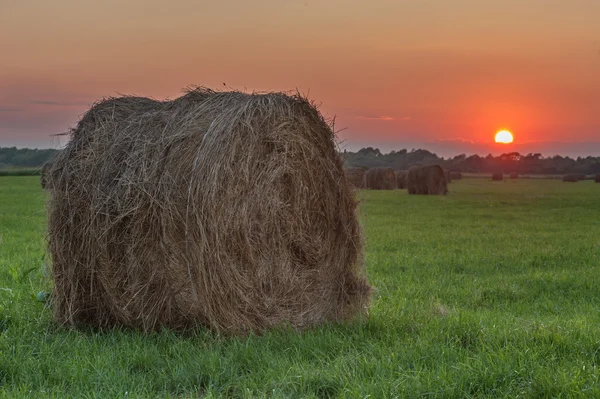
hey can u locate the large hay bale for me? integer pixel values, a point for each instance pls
(497, 177)
(380, 179)
(401, 179)
(572, 178)
(427, 180)
(456, 175)
(227, 210)
(356, 177)
(597, 178)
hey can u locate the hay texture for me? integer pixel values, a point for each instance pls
(220, 209)
(380, 179)
(497, 177)
(427, 180)
(597, 178)
(401, 179)
(456, 175)
(356, 177)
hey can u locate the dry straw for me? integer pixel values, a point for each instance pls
(356, 177)
(221, 209)
(380, 179)
(427, 180)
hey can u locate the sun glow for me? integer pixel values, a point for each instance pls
(504, 136)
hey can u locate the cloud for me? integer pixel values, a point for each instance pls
(58, 103)
(457, 140)
(11, 109)
(375, 117)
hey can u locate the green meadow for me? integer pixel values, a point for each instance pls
(491, 291)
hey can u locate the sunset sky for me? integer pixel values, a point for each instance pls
(442, 75)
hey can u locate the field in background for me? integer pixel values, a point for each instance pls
(491, 291)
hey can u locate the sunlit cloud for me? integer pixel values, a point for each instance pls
(375, 117)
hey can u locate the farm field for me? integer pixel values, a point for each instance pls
(491, 291)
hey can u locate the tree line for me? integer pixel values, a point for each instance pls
(532, 163)
(25, 157)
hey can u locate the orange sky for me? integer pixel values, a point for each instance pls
(442, 75)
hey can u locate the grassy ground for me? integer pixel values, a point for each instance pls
(492, 291)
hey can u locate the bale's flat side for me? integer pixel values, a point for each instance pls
(597, 178)
(497, 177)
(380, 179)
(356, 177)
(427, 180)
(401, 179)
(227, 210)
(456, 175)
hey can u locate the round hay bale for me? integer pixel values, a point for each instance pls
(401, 179)
(571, 178)
(497, 177)
(513, 175)
(380, 179)
(456, 175)
(226, 210)
(448, 176)
(356, 177)
(427, 180)
(597, 178)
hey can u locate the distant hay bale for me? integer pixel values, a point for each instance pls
(427, 180)
(401, 179)
(448, 176)
(572, 178)
(456, 175)
(226, 210)
(513, 175)
(597, 178)
(356, 177)
(380, 179)
(497, 177)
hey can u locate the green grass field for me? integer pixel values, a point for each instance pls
(492, 291)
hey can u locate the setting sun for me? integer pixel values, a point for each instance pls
(504, 136)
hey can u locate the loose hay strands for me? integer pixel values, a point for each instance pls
(227, 210)
(401, 179)
(356, 177)
(427, 180)
(380, 179)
